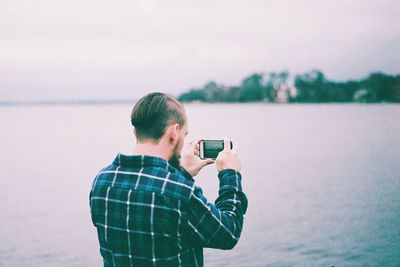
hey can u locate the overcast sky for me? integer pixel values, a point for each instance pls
(79, 49)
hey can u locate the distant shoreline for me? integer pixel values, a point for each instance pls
(66, 102)
(131, 101)
(310, 87)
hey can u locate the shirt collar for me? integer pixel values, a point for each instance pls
(140, 161)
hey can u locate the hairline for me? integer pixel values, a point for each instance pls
(176, 106)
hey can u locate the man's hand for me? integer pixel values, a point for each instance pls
(228, 158)
(191, 161)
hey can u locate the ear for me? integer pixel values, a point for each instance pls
(173, 133)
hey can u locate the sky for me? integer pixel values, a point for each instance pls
(79, 49)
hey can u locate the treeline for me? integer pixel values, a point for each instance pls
(310, 87)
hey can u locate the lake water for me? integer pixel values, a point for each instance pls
(323, 181)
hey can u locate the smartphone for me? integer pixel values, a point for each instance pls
(209, 149)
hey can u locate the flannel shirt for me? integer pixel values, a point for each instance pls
(148, 213)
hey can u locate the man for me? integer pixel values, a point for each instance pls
(147, 208)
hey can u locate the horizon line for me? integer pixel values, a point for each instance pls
(66, 102)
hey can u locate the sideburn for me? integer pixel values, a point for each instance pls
(174, 160)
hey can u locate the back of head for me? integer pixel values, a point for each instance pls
(153, 113)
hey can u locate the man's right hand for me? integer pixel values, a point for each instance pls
(191, 161)
(228, 158)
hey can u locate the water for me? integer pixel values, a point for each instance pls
(323, 181)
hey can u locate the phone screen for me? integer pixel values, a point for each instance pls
(211, 148)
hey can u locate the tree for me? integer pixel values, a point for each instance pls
(381, 87)
(310, 87)
(252, 88)
(193, 95)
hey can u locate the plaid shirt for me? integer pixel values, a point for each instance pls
(147, 213)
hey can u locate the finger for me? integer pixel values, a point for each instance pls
(227, 144)
(207, 162)
(194, 143)
(210, 161)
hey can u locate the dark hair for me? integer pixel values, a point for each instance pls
(153, 113)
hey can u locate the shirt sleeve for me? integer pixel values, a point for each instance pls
(219, 225)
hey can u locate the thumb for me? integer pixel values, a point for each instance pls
(207, 162)
(227, 144)
(194, 143)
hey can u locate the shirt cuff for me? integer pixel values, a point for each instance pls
(230, 177)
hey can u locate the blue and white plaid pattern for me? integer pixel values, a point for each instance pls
(148, 214)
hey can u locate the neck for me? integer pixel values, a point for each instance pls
(151, 149)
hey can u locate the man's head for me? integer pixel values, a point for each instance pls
(160, 120)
